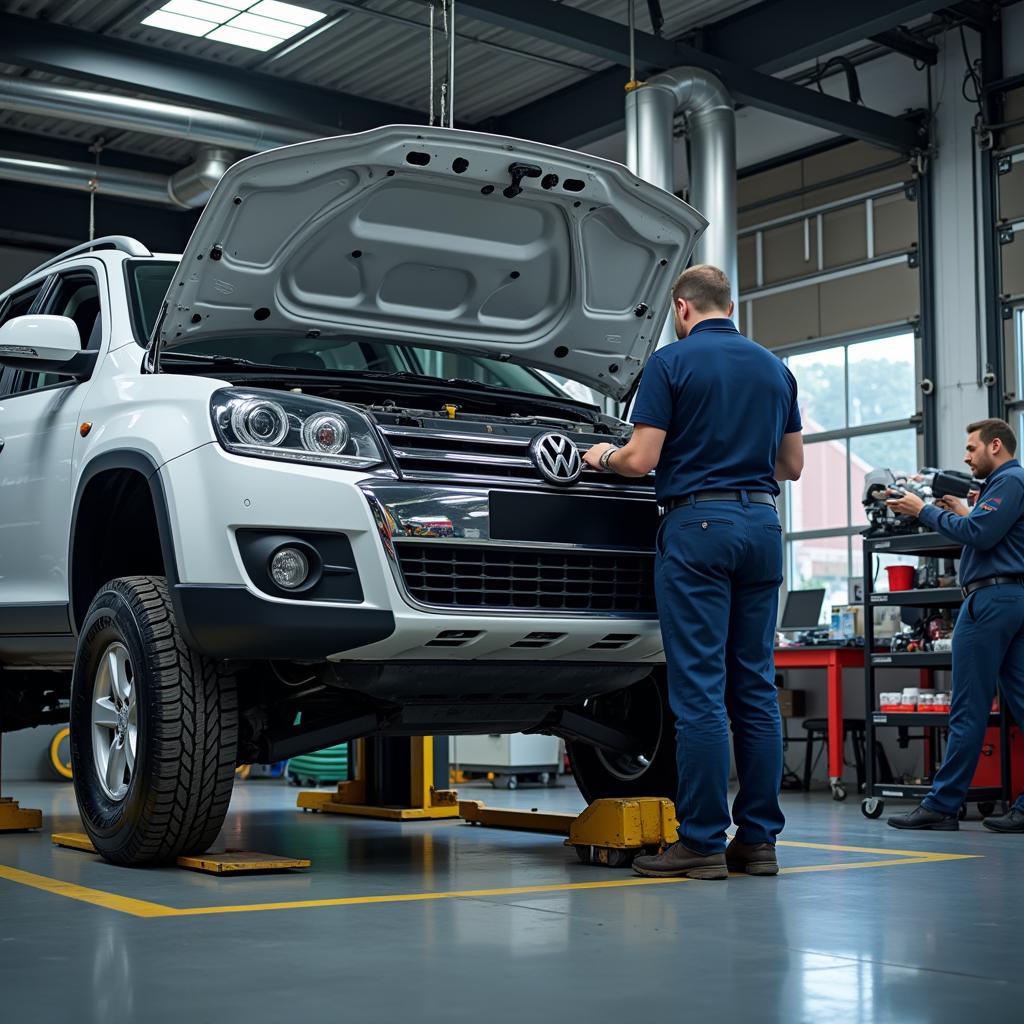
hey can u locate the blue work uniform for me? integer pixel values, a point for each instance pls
(988, 641)
(725, 403)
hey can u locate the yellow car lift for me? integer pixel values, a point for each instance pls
(14, 818)
(610, 832)
(366, 796)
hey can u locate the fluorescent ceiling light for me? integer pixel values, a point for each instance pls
(259, 25)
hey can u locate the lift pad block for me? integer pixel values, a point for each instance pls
(18, 819)
(230, 862)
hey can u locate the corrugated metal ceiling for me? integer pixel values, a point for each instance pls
(371, 48)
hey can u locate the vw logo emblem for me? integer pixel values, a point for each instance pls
(557, 458)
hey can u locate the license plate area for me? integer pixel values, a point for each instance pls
(584, 520)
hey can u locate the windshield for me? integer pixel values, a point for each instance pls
(148, 281)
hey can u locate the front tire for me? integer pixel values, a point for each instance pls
(642, 709)
(154, 729)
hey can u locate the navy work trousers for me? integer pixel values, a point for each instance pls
(718, 574)
(988, 649)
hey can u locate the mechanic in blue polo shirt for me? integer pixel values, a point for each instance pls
(988, 641)
(716, 415)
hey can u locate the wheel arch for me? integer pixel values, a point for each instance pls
(130, 480)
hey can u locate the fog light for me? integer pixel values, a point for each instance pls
(289, 568)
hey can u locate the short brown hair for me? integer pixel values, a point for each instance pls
(989, 430)
(705, 286)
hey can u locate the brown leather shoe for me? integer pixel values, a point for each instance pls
(754, 859)
(676, 861)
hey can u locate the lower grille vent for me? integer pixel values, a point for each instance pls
(472, 576)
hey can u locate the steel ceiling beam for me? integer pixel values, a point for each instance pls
(778, 34)
(90, 56)
(901, 40)
(596, 111)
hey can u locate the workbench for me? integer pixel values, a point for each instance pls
(833, 660)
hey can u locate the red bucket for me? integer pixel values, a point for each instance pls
(901, 577)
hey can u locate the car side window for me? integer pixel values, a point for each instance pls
(76, 295)
(19, 303)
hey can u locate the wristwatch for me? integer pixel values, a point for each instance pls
(606, 457)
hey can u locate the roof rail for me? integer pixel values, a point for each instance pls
(122, 243)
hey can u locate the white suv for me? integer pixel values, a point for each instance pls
(312, 480)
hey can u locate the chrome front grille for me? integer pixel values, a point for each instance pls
(432, 454)
(485, 577)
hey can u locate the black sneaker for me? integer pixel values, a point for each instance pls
(1013, 821)
(921, 818)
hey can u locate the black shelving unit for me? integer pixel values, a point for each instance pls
(924, 545)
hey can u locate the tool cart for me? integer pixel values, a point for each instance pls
(933, 723)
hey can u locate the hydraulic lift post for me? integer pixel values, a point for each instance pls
(394, 779)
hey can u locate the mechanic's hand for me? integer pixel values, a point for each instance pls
(593, 455)
(954, 505)
(906, 505)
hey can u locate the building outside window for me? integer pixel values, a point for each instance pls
(858, 399)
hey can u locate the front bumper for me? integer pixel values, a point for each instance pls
(213, 494)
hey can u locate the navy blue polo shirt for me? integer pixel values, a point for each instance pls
(993, 534)
(724, 402)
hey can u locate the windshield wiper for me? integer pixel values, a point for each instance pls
(218, 360)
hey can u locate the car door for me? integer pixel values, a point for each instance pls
(38, 426)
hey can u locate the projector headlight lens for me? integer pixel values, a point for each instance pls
(295, 428)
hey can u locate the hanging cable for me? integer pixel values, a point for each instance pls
(444, 84)
(431, 34)
(94, 184)
(450, 36)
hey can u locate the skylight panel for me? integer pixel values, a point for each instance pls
(259, 25)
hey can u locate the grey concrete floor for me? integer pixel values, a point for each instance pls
(905, 942)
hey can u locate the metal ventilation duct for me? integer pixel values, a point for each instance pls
(189, 187)
(651, 108)
(151, 116)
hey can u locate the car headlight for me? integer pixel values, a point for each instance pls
(298, 428)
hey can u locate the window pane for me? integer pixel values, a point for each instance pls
(817, 501)
(896, 451)
(823, 562)
(819, 377)
(883, 384)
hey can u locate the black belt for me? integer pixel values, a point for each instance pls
(754, 497)
(989, 581)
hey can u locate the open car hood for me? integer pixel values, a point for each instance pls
(442, 238)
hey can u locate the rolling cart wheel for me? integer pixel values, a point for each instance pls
(962, 813)
(986, 808)
(872, 807)
(544, 778)
(585, 854)
(613, 858)
(838, 791)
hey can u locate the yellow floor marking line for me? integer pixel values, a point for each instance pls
(143, 908)
(125, 904)
(884, 853)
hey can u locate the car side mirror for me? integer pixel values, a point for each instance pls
(45, 342)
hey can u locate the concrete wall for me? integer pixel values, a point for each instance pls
(26, 755)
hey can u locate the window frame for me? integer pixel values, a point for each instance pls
(43, 303)
(846, 434)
